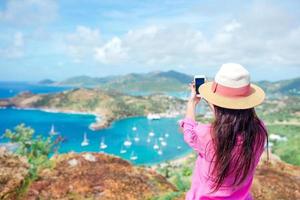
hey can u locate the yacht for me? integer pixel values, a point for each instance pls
(166, 135)
(151, 133)
(134, 128)
(155, 146)
(133, 156)
(52, 131)
(85, 141)
(123, 150)
(153, 116)
(148, 140)
(178, 147)
(161, 138)
(163, 143)
(160, 152)
(127, 142)
(102, 144)
(136, 138)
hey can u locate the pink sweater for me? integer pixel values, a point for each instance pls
(198, 137)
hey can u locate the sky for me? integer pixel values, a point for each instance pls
(58, 39)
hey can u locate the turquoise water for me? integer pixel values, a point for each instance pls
(72, 127)
(9, 89)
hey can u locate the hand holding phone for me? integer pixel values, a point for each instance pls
(198, 80)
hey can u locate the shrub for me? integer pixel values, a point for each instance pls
(36, 149)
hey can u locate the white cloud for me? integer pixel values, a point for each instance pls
(262, 35)
(15, 48)
(82, 43)
(29, 12)
(232, 26)
(111, 52)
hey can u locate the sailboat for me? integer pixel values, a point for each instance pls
(136, 137)
(127, 142)
(85, 141)
(155, 146)
(178, 147)
(134, 128)
(133, 156)
(151, 133)
(102, 144)
(166, 135)
(159, 152)
(161, 138)
(163, 143)
(52, 131)
(148, 139)
(123, 150)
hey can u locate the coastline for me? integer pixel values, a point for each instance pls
(100, 122)
(98, 118)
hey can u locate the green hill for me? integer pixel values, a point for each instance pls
(109, 105)
(46, 82)
(85, 81)
(168, 81)
(149, 82)
(288, 87)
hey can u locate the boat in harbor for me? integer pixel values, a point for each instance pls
(52, 131)
(136, 138)
(133, 156)
(123, 150)
(153, 116)
(155, 146)
(102, 144)
(148, 139)
(85, 141)
(151, 134)
(163, 143)
(161, 138)
(127, 142)
(160, 152)
(134, 128)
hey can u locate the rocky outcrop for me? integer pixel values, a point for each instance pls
(13, 170)
(97, 176)
(101, 176)
(276, 180)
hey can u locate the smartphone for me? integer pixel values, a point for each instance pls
(199, 80)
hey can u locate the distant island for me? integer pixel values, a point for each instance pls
(107, 106)
(46, 82)
(162, 81)
(151, 82)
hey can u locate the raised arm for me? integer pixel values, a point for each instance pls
(189, 124)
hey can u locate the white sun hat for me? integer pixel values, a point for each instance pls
(232, 88)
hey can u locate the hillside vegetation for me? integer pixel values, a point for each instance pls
(168, 81)
(150, 82)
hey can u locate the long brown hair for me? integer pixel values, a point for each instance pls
(228, 126)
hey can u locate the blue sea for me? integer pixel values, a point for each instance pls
(10, 89)
(73, 126)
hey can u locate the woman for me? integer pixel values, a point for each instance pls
(230, 147)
